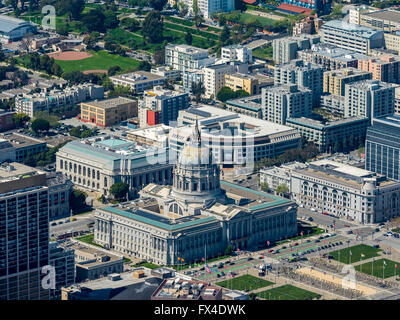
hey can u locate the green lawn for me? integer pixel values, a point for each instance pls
(191, 30)
(88, 239)
(356, 251)
(100, 60)
(378, 271)
(246, 282)
(247, 18)
(288, 292)
(263, 53)
(147, 265)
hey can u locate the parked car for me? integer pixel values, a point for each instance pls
(54, 224)
(310, 219)
(313, 209)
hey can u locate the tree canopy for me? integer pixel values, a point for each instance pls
(119, 190)
(153, 27)
(40, 125)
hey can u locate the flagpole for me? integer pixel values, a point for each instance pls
(373, 267)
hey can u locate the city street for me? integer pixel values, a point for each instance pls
(81, 224)
(324, 220)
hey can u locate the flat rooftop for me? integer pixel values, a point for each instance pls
(16, 171)
(138, 77)
(389, 15)
(132, 211)
(20, 141)
(109, 103)
(361, 31)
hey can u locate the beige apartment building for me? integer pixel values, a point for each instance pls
(385, 68)
(335, 80)
(108, 112)
(251, 84)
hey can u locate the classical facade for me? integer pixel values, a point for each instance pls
(345, 191)
(198, 217)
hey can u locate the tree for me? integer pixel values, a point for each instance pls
(119, 190)
(153, 27)
(145, 66)
(188, 38)
(264, 186)
(198, 90)
(282, 189)
(111, 20)
(157, 4)
(225, 35)
(77, 200)
(113, 70)
(20, 119)
(227, 93)
(159, 56)
(130, 24)
(40, 125)
(228, 250)
(94, 20)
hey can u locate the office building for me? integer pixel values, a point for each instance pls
(96, 163)
(329, 136)
(237, 53)
(138, 81)
(382, 147)
(335, 80)
(351, 37)
(160, 106)
(56, 99)
(285, 101)
(331, 57)
(384, 68)
(181, 57)
(108, 112)
(305, 75)
(356, 12)
(285, 49)
(369, 98)
(346, 192)
(234, 139)
(199, 211)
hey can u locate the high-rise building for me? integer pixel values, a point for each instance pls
(285, 101)
(305, 75)
(24, 233)
(382, 146)
(369, 98)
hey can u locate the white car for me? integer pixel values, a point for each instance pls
(313, 209)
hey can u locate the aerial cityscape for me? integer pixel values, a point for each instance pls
(193, 150)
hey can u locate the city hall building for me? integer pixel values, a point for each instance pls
(197, 217)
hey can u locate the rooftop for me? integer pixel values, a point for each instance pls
(361, 31)
(321, 125)
(389, 15)
(332, 51)
(370, 85)
(8, 23)
(20, 140)
(187, 290)
(110, 103)
(138, 77)
(16, 171)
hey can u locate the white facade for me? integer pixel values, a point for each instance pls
(237, 53)
(181, 57)
(345, 191)
(207, 7)
(275, 176)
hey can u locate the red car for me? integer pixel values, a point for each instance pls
(270, 250)
(325, 213)
(296, 244)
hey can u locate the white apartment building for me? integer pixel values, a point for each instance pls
(207, 7)
(237, 53)
(345, 191)
(181, 57)
(214, 76)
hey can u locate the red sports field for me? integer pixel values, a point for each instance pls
(70, 55)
